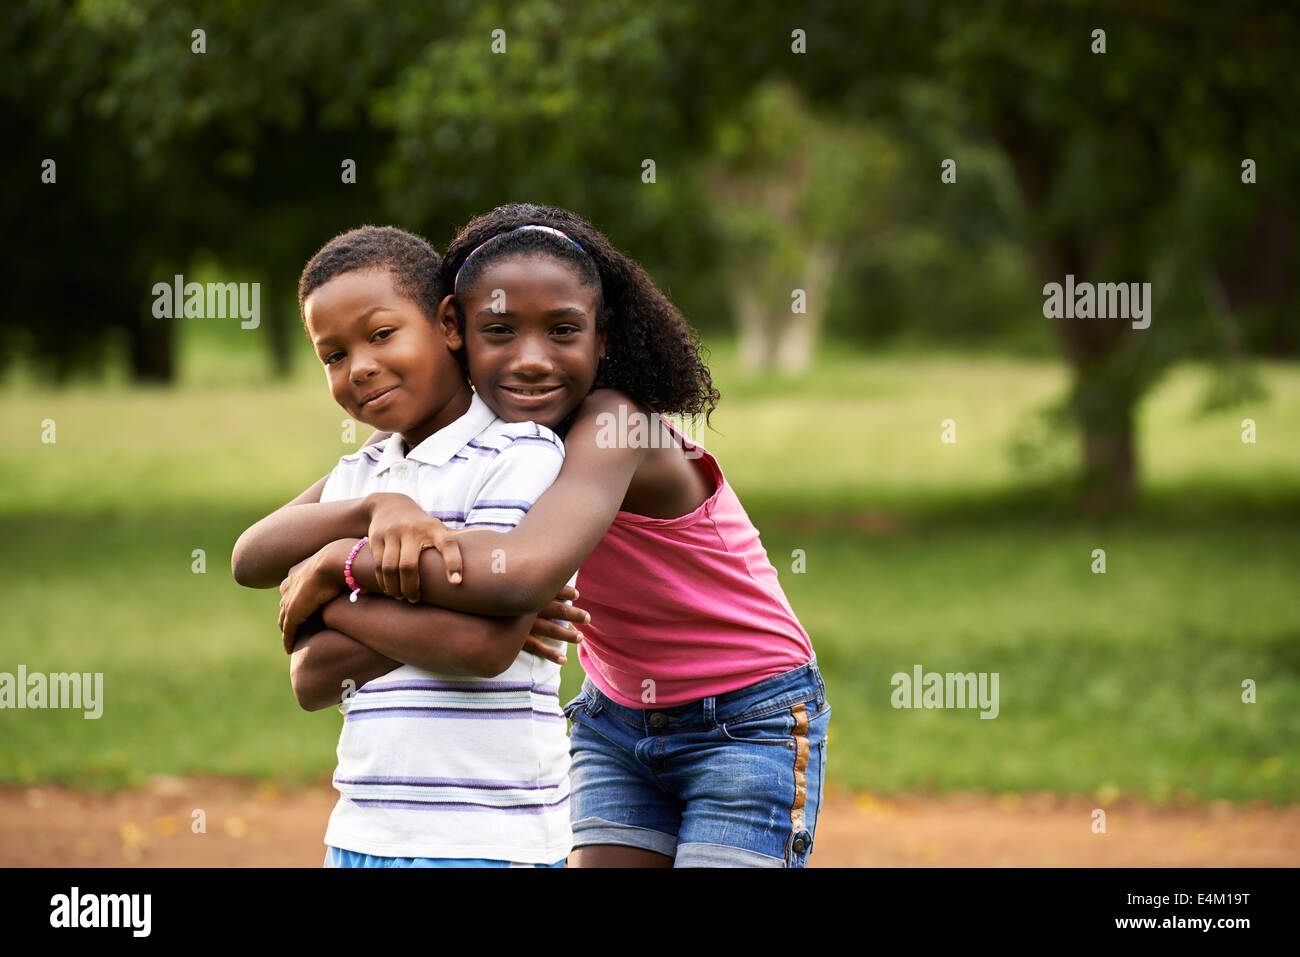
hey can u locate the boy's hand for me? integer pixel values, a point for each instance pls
(310, 584)
(399, 531)
(542, 628)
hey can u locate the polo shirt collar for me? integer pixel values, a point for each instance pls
(438, 448)
(390, 453)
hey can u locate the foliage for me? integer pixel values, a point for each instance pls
(1115, 166)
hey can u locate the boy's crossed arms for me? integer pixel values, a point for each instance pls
(390, 632)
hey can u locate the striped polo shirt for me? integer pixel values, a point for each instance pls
(433, 765)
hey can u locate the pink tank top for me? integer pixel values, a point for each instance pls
(684, 608)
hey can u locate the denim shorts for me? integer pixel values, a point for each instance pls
(733, 780)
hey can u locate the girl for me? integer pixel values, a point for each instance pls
(699, 737)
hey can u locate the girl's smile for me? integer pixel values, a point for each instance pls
(530, 338)
(534, 397)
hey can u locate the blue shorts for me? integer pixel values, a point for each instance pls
(337, 857)
(733, 780)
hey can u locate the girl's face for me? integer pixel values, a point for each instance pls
(530, 338)
(387, 364)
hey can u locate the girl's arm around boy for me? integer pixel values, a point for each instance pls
(551, 541)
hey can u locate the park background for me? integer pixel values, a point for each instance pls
(793, 147)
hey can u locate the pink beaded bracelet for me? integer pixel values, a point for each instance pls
(347, 571)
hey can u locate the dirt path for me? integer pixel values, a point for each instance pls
(250, 824)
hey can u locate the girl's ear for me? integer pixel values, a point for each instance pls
(450, 324)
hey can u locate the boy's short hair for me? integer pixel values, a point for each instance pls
(412, 261)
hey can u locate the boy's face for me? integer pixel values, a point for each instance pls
(387, 364)
(530, 338)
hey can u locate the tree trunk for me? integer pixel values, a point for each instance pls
(800, 332)
(1104, 389)
(1109, 478)
(279, 335)
(1103, 393)
(150, 342)
(755, 345)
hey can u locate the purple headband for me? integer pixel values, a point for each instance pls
(546, 229)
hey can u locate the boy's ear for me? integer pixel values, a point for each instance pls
(450, 325)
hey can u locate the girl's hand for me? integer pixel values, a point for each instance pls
(542, 628)
(310, 584)
(399, 531)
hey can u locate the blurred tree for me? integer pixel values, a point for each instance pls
(1127, 163)
(565, 103)
(792, 193)
(234, 154)
(1104, 146)
(163, 154)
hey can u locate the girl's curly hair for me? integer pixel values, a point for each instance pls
(651, 354)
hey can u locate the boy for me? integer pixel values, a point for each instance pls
(437, 766)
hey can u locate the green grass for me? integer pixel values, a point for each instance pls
(948, 556)
(1129, 680)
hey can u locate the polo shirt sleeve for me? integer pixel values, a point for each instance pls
(335, 486)
(525, 468)
(349, 475)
